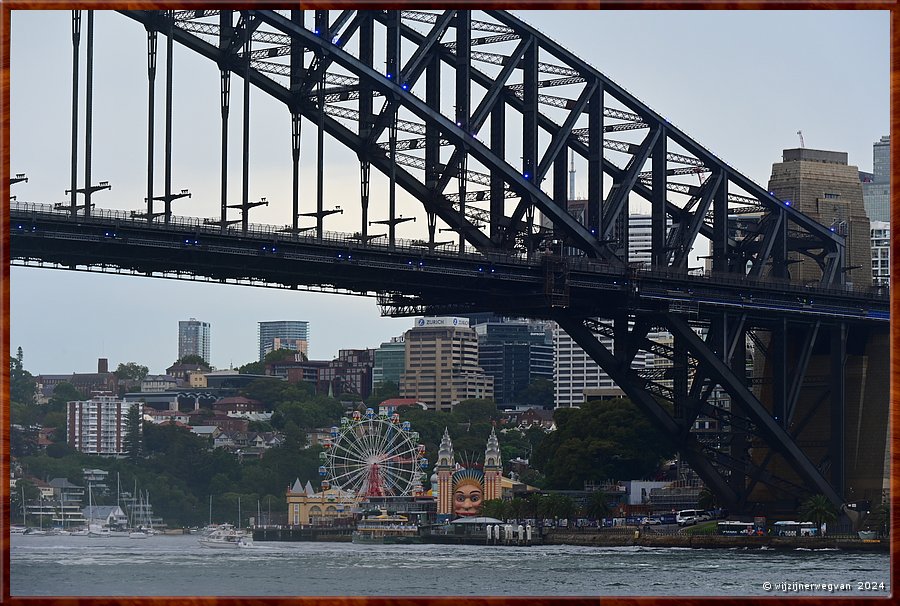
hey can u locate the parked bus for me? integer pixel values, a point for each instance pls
(796, 529)
(733, 527)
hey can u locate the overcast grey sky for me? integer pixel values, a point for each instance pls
(741, 83)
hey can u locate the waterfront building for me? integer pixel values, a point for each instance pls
(390, 362)
(822, 185)
(881, 253)
(305, 506)
(96, 479)
(193, 339)
(442, 364)
(98, 426)
(283, 334)
(515, 353)
(877, 186)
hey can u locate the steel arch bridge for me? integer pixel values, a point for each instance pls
(475, 114)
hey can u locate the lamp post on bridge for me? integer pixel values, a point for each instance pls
(167, 200)
(320, 216)
(87, 191)
(245, 212)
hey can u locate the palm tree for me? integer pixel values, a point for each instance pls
(818, 509)
(494, 508)
(706, 499)
(596, 507)
(516, 507)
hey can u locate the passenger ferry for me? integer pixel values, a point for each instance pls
(385, 529)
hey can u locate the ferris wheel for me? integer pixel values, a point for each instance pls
(373, 455)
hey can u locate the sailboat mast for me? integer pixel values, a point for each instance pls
(23, 505)
(210, 510)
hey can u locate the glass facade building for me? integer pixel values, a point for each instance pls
(515, 353)
(877, 191)
(283, 334)
(193, 339)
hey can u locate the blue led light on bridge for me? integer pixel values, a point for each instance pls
(527, 175)
(421, 263)
(389, 76)
(405, 87)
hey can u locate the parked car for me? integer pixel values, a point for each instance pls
(687, 521)
(650, 521)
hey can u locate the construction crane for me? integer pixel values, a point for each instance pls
(800, 134)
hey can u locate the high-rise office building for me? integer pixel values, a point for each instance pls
(193, 339)
(515, 353)
(283, 334)
(877, 189)
(881, 253)
(574, 371)
(349, 373)
(98, 426)
(442, 364)
(390, 362)
(824, 187)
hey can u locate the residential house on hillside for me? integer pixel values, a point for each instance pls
(181, 372)
(317, 437)
(241, 407)
(158, 417)
(533, 417)
(158, 383)
(227, 424)
(210, 432)
(105, 514)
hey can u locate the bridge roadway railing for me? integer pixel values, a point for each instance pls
(278, 233)
(646, 283)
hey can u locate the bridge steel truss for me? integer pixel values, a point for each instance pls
(490, 110)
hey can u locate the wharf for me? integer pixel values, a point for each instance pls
(711, 541)
(332, 534)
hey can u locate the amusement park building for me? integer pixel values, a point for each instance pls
(305, 506)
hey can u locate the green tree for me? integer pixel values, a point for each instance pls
(471, 411)
(192, 359)
(22, 437)
(539, 393)
(495, 508)
(21, 383)
(385, 390)
(279, 355)
(62, 394)
(597, 506)
(131, 371)
(706, 499)
(252, 368)
(818, 509)
(599, 441)
(516, 508)
(132, 439)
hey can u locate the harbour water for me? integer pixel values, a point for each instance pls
(179, 566)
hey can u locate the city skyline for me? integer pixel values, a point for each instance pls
(785, 87)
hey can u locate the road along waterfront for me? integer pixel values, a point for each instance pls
(179, 566)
